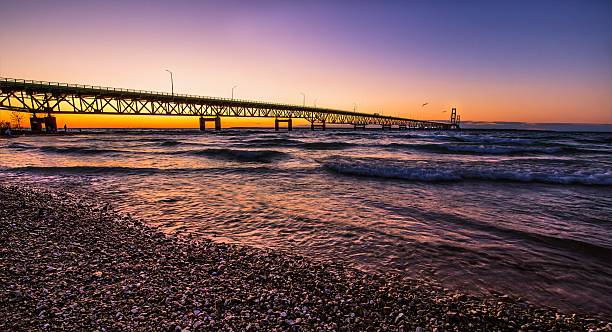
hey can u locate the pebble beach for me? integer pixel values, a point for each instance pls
(69, 262)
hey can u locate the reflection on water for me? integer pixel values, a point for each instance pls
(525, 213)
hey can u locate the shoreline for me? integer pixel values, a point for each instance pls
(70, 262)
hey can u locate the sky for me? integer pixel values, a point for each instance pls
(511, 61)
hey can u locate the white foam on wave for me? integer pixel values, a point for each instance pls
(439, 173)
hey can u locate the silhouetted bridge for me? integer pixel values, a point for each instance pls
(50, 97)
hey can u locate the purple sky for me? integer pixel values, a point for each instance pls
(539, 61)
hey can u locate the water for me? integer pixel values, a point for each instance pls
(517, 212)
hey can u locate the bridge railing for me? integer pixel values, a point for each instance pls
(98, 87)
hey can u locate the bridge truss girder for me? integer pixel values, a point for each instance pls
(41, 98)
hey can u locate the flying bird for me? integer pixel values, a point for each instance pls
(424, 104)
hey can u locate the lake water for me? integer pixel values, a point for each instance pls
(518, 212)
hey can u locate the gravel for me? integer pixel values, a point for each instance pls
(72, 263)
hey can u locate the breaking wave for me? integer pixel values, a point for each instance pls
(381, 168)
(493, 149)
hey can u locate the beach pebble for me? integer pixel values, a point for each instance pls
(72, 263)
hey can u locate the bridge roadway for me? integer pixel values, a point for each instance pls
(51, 97)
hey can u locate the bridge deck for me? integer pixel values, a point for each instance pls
(51, 97)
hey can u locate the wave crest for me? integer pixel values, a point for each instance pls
(492, 149)
(80, 150)
(439, 172)
(261, 156)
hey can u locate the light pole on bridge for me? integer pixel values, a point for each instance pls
(171, 82)
(235, 86)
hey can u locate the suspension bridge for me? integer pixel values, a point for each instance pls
(48, 98)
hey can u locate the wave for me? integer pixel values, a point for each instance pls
(327, 145)
(287, 142)
(80, 150)
(501, 149)
(261, 156)
(557, 241)
(493, 149)
(83, 169)
(606, 140)
(170, 143)
(353, 133)
(492, 139)
(20, 146)
(267, 142)
(120, 170)
(381, 168)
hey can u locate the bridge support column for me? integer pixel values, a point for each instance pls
(36, 124)
(315, 126)
(277, 121)
(386, 126)
(401, 127)
(216, 119)
(50, 124)
(359, 126)
(218, 123)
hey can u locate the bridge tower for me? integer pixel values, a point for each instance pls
(453, 118)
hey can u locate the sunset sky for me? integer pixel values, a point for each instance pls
(528, 61)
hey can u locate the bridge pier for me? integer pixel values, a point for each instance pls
(36, 124)
(216, 119)
(361, 126)
(49, 121)
(315, 126)
(402, 127)
(277, 121)
(385, 126)
(50, 124)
